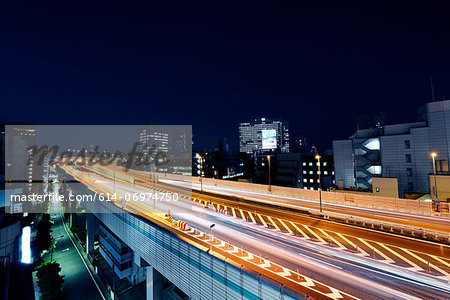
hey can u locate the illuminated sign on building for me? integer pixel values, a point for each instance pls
(269, 139)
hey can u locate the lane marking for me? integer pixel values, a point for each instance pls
(308, 282)
(300, 231)
(242, 215)
(426, 262)
(251, 217)
(335, 294)
(440, 260)
(249, 257)
(284, 273)
(262, 220)
(364, 253)
(273, 223)
(235, 250)
(387, 258)
(285, 226)
(315, 234)
(234, 212)
(400, 256)
(331, 238)
(264, 264)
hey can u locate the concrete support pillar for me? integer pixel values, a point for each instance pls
(91, 229)
(154, 284)
(138, 270)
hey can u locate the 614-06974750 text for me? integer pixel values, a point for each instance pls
(141, 197)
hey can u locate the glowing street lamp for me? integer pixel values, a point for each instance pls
(201, 172)
(320, 182)
(210, 237)
(268, 160)
(436, 200)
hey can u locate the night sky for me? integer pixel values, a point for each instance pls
(316, 64)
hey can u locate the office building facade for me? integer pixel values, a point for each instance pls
(310, 172)
(301, 170)
(402, 151)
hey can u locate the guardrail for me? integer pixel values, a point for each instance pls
(349, 199)
(388, 227)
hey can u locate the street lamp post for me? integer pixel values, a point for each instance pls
(320, 182)
(436, 201)
(201, 173)
(114, 181)
(154, 177)
(154, 185)
(210, 237)
(270, 185)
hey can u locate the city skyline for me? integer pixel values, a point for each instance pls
(303, 65)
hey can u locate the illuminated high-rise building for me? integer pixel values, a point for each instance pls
(262, 135)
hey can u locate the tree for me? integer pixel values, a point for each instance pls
(44, 239)
(49, 280)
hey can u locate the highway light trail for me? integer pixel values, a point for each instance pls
(434, 223)
(353, 273)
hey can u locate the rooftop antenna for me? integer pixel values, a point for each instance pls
(432, 89)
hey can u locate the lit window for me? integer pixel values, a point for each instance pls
(324, 163)
(360, 151)
(318, 172)
(409, 172)
(407, 144)
(376, 170)
(325, 172)
(304, 163)
(311, 188)
(305, 180)
(311, 172)
(304, 171)
(332, 172)
(311, 180)
(372, 144)
(318, 181)
(310, 163)
(408, 158)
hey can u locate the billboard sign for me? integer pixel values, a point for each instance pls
(269, 139)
